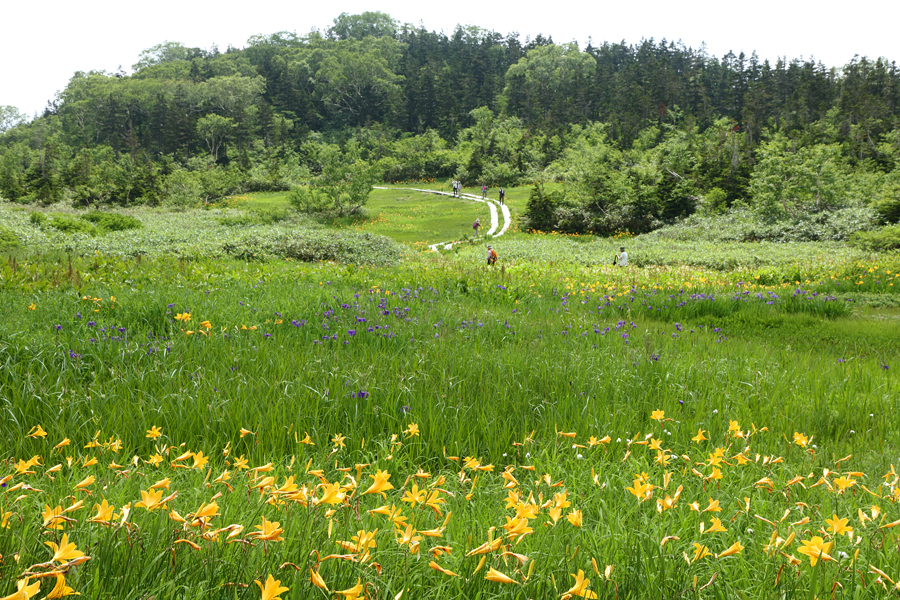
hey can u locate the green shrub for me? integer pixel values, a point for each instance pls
(888, 206)
(880, 240)
(37, 218)
(71, 225)
(318, 245)
(741, 225)
(8, 240)
(112, 221)
(264, 216)
(715, 201)
(540, 212)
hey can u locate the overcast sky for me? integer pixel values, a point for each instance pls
(43, 44)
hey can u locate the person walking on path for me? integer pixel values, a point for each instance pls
(621, 258)
(502, 195)
(483, 191)
(476, 225)
(491, 255)
(455, 188)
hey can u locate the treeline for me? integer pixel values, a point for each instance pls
(639, 134)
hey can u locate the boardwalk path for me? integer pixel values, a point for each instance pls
(492, 205)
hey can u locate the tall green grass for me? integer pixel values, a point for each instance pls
(489, 364)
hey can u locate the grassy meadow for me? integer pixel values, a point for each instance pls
(185, 421)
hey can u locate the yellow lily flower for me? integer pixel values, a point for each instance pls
(438, 567)
(816, 549)
(268, 531)
(317, 580)
(24, 590)
(381, 483)
(700, 551)
(580, 588)
(839, 526)
(735, 548)
(151, 500)
(64, 552)
(495, 575)
(272, 590)
(354, 592)
(60, 590)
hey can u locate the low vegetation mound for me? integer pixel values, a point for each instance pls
(313, 245)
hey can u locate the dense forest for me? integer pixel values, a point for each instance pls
(638, 135)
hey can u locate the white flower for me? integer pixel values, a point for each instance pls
(750, 531)
(618, 440)
(528, 455)
(578, 456)
(715, 411)
(842, 554)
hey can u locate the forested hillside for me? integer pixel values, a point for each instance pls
(640, 134)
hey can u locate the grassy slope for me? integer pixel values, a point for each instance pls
(481, 360)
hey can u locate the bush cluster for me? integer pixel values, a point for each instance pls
(741, 225)
(317, 245)
(8, 240)
(880, 240)
(92, 223)
(264, 216)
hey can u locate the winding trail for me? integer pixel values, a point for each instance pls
(491, 203)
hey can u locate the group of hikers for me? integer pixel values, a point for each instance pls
(457, 191)
(620, 259)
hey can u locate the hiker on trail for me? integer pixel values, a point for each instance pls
(502, 195)
(621, 258)
(476, 225)
(454, 183)
(483, 191)
(491, 255)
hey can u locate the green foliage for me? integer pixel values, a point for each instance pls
(715, 201)
(166, 52)
(309, 200)
(183, 189)
(640, 136)
(376, 24)
(107, 222)
(214, 130)
(10, 117)
(548, 86)
(8, 240)
(486, 364)
(879, 240)
(742, 225)
(37, 218)
(888, 204)
(317, 245)
(343, 186)
(69, 225)
(789, 182)
(256, 217)
(540, 212)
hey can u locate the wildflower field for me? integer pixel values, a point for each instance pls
(211, 428)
